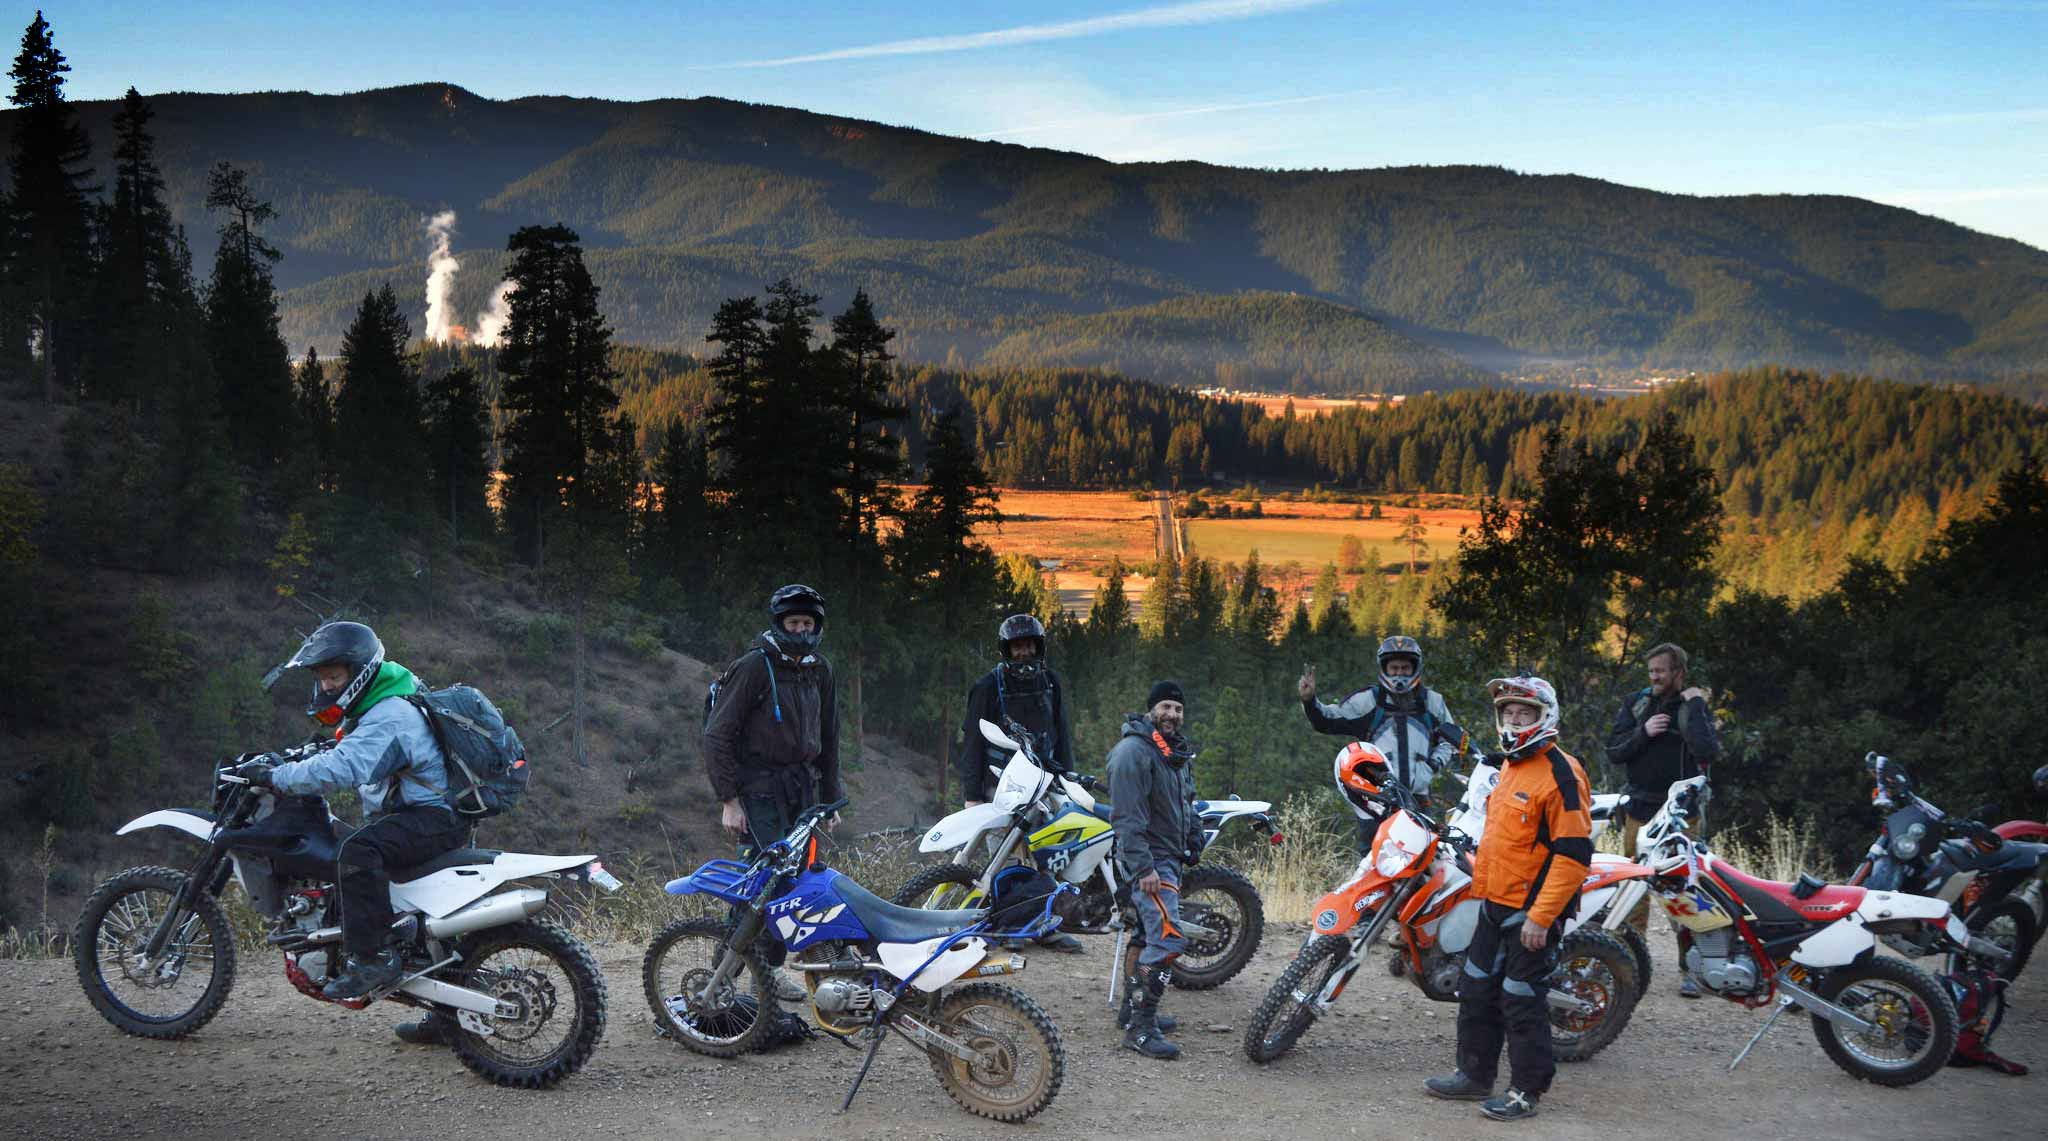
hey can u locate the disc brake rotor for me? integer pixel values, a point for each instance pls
(532, 993)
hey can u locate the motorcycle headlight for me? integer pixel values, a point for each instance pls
(1907, 846)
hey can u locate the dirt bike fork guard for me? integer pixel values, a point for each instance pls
(1784, 1003)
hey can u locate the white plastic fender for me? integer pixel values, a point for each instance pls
(452, 888)
(900, 959)
(963, 827)
(189, 823)
(1835, 945)
(1230, 808)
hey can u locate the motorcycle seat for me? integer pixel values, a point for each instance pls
(1775, 902)
(443, 862)
(894, 923)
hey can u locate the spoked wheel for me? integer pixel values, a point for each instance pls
(177, 992)
(1595, 968)
(2010, 924)
(942, 887)
(1289, 1009)
(1915, 1031)
(722, 1020)
(1020, 1059)
(1228, 906)
(550, 982)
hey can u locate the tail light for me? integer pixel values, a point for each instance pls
(1277, 838)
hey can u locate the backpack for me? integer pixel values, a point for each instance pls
(1641, 706)
(487, 770)
(1381, 714)
(1980, 1007)
(723, 683)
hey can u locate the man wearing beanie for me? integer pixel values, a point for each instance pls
(1152, 794)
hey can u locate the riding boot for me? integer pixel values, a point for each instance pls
(1144, 1034)
(436, 1029)
(1167, 1023)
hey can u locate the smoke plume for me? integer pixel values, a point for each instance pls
(490, 324)
(441, 266)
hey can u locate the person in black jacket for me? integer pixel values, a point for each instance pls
(1021, 687)
(1662, 734)
(771, 743)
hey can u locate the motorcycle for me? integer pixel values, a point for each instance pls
(1993, 882)
(1053, 821)
(869, 968)
(1812, 946)
(156, 956)
(1417, 878)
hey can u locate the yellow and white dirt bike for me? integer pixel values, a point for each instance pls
(1054, 822)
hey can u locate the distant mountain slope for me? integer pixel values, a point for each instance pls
(965, 243)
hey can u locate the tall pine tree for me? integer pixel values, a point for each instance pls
(458, 463)
(249, 354)
(381, 457)
(50, 265)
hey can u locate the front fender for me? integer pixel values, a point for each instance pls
(191, 821)
(962, 828)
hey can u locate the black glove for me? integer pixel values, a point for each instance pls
(1192, 857)
(256, 772)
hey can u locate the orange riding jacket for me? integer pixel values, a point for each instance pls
(1538, 842)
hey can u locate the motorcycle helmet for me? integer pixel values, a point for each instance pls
(1400, 646)
(1015, 627)
(1360, 771)
(2041, 781)
(350, 644)
(1524, 740)
(796, 598)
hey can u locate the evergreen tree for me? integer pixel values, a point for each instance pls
(680, 542)
(1325, 612)
(859, 355)
(1254, 608)
(315, 416)
(382, 456)
(936, 550)
(139, 283)
(558, 376)
(458, 437)
(743, 429)
(50, 268)
(1110, 627)
(249, 355)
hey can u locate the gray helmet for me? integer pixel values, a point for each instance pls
(350, 644)
(796, 598)
(1021, 627)
(1400, 646)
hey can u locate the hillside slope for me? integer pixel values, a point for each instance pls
(963, 243)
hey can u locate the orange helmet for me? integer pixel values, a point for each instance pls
(1360, 771)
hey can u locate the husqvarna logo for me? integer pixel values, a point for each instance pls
(932, 837)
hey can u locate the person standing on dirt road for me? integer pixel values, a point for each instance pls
(1398, 715)
(1531, 860)
(1158, 834)
(385, 750)
(1663, 734)
(1022, 688)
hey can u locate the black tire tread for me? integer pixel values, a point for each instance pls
(1049, 1034)
(650, 984)
(1639, 947)
(912, 894)
(2029, 932)
(1203, 876)
(581, 967)
(1605, 946)
(1929, 991)
(85, 954)
(1281, 996)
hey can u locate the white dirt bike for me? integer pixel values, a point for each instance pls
(155, 953)
(1053, 822)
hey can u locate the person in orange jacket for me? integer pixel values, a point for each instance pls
(1532, 858)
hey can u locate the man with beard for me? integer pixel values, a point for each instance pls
(1158, 834)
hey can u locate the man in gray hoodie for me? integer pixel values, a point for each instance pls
(1152, 794)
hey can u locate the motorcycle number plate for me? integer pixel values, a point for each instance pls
(604, 879)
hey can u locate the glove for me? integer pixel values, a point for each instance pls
(256, 772)
(1192, 857)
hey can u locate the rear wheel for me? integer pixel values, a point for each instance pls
(552, 982)
(1289, 1007)
(1226, 904)
(721, 1021)
(942, 887)
(1020, 1059)
(1915, 1031)
(2009, 923)
(1596, 968)
(169, 996)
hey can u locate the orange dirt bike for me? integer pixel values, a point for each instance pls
(1417, 877)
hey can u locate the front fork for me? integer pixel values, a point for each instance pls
(746, 929)
(212, 872)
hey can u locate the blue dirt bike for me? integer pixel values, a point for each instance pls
(868, 967)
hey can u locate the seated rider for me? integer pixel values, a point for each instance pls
(385, 750)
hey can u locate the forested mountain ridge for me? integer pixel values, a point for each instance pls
(964, 243)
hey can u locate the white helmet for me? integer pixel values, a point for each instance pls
(1522, 740)
(1361, 773)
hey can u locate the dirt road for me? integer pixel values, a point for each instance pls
(277, 1064)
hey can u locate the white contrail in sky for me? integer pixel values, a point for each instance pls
(1184, 112)
(1948, 119)
(1167, 16)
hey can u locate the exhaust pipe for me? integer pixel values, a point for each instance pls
(490, 911)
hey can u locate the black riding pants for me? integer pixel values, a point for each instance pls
(1502, 996)
(399, 839)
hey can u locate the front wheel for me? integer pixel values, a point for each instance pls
(552, 982)
(723, 1020)
(1915, 1031)
(167, 997)
(1639, 950)
(1598, 969)
(1020, 1059)
(2010, 924)
(1289, 1008)
(1227, 904)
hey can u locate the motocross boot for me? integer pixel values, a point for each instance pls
(365, 976)
(433, 1030)
(1167, 1023)
(1144, 1034)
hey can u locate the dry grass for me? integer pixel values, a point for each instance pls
(1082, 527)
(1312, 537)
(1780, 850)
(1307, 407)
(1320, 852)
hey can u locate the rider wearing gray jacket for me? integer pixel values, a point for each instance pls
(1152, 794)
(1399, 716)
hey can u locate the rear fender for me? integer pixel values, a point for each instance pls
(1836, 945)
(191, 821)
(2032, 830)
(453, 888)
(963, 827)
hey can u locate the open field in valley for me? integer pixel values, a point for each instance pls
(1309, 533)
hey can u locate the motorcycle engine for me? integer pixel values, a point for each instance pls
(1720, 963)
(1440, 974)
(844, 1003)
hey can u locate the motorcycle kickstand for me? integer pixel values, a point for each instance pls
(858, 1078)
(1784, 1003)
(1116, 963)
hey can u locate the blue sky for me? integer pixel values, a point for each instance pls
(1940, 106)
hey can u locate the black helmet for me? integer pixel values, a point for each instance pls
(796, 598)
(350, 644)
(1020, 626)
(1400, 646)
